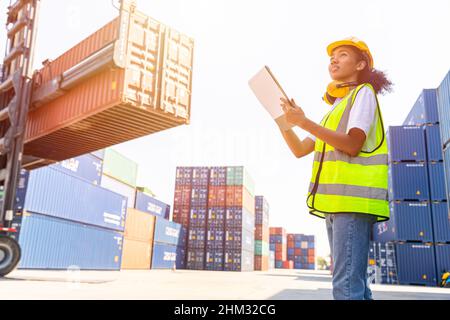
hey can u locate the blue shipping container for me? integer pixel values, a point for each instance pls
(239, 239)
(196, 238)
(167, 232)
(416, 264)
(442, 259)
(447, 170)
(441, 221)
(433, 142)
(406, 143)
(408, 181)
(425, 109)
(239, 217)
(53, 243)
(164, 256)
(443, 93)
(195, 259)
(437, 181)
(239, 260)
(198, 217)
(215, 239)
(155, 207)
(181, 258)
(87, 167)
(54, 193)
(410, 221)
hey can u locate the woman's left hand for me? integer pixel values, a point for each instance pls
(294, 114)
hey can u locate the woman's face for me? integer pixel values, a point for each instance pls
(345, 64)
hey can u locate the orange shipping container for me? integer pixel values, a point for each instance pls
(217, 196)
(139, 226)
(277, 231)
(130, 79)
(311, 259)
(136, 255)
(311, 252)
(238, 196)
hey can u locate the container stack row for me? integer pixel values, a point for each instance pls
(278, 244)
(217, 206)
(87, 212)
(301, 250)
(262, 234)
(419, 229)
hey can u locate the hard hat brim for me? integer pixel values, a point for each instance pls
(341, 43)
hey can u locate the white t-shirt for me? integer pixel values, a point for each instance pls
(364, 116)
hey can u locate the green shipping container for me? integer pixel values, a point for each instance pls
(238, 176)
(119, 167)
(261, 248)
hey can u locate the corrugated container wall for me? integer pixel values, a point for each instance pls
(141, 85)
(425, 110)
(410, 221)
(433, 142)
(437, 181)
(408, 181)
(119, 167)
(87, 167)
(119, 188)
(139, 226)
(406, 143)
(54, 193)
(416, 264)
(137, 255)
(442, 259)
(441, 222)
(146, 203)
(53, 243)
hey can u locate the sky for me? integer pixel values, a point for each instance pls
(234, 39)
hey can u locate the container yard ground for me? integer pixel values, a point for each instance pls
(192, 285)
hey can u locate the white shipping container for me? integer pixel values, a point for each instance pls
(120, 188)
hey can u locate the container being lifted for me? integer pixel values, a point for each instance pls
(130, 79)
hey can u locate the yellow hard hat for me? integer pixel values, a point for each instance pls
(354, 42)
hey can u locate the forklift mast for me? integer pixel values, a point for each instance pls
(15, 95)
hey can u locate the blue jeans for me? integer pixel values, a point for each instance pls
(349, 237)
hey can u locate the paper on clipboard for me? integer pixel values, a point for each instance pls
(268, 91)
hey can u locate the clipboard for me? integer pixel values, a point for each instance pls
(269, 91)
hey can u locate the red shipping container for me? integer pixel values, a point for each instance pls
(182, 196)
(277, 231)
(126, 85)
(311, 252)
(311, 259)
(288, 264)
(290, 243)
(298, 252)
(261, 263)
(279, 255)
(217, 196)
(290, 237)
(238, 196)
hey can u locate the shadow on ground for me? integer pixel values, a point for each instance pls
(304, 277)
(326, 294)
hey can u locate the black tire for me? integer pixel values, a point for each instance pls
(9, 255)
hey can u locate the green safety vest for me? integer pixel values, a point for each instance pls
(344, 184)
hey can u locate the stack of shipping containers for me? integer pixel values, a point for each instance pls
(301, 250)
(169, 245)
(198, 222)
(262, 236)
(68, 220)
(409, 248)
(278, 244)
(215, 255)
(441, 224)
(216, 205)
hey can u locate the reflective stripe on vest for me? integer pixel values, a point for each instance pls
(344, 184)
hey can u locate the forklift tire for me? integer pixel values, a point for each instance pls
(9, 255)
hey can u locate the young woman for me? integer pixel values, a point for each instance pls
(350, 172)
